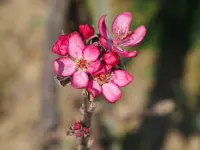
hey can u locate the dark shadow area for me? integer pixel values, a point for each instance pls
(176, 20)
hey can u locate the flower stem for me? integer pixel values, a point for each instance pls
(87, 110)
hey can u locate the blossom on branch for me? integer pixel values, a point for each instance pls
(109, 83)
(92, 62)
(79, 61)
(121, 34)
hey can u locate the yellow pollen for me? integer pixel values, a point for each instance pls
(82, 64)
(102, 78)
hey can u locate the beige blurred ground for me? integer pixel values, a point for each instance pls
(21, 39)
(22, 24)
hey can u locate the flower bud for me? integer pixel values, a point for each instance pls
(61, 45)
(85, 130)
(86, 31)
(111, 58)
(79, 134)
(77, 126)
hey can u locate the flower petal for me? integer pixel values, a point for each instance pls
(108, 67)
(121, 78)
(106, 43)
(126, 54)
(64, 66)
(79, 80)
(121, 24)
(94, 88)
(102, 69)
(91, 53)
(76, 45)
(111, 58)
(93, 67)
(111, 92)
(135, 37)
(103, 30)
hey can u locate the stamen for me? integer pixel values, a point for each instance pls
(82, 64)
(102, 78)
(120, 33)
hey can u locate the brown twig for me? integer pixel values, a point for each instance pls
(87, 110)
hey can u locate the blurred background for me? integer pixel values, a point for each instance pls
(160, 110)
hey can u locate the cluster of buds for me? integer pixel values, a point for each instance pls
(78, 129)
(93, 62)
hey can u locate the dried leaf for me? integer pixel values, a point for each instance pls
(62, 81)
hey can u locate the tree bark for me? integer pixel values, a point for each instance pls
(63, 15)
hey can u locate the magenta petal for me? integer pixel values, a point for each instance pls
(135, 37)
(79, 80)
(106, 43)
(108, 68)
(91, 53)
(102, 27)
(121, 78)
(121, 24)
(126, 54)
(101, 70)
(76, 45)
(94, 66)
(64, 66)
(94, 88)
(111, 92)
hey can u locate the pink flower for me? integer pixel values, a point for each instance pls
(121, 33)
(86, 30)
(82, 60)
(109, 84)
(61, 45)
(111, 58)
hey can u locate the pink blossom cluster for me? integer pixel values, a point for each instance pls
(92, 62)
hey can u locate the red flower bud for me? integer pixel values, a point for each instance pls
(79, 134)
(61, 45)
(86, 31)
(77, 126)
(111, 58)
(86, 130)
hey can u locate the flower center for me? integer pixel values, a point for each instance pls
(82, 64)
(120, 33)
(102, 78)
